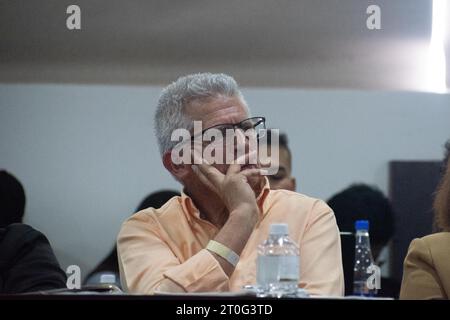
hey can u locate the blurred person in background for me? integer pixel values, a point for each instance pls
(12, 199)
(283, 179)
(364, 202)
(426, 269)
(27, 261)
(107, 271)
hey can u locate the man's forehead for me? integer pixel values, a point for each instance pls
(218, 110)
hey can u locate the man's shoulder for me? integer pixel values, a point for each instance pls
(291, 197)
(149, 216)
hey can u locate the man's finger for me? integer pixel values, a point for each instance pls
(211, 173)
(203, 178)
(253, 172)
(233, 168)
(248, 158)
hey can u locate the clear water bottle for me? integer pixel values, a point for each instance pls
(363, 260)
(277, 272)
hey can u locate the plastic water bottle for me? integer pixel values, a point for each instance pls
(277, 272)
(363, 260)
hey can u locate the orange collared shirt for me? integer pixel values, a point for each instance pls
(170, 242)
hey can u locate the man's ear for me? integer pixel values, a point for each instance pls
(179, 171)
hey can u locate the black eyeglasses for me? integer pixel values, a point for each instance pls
(254, 124)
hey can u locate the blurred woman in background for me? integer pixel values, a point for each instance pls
(426, 270)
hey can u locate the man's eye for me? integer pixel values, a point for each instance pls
(223, 130)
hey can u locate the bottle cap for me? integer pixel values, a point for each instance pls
(107, 278)
(362, 225)
(279, 228)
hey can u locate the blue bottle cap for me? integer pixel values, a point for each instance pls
(362, 225)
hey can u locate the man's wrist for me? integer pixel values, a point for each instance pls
(223, 251)
(245, 210)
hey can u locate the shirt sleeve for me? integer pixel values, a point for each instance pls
(420, 280)
(321, 271)
(145, 260)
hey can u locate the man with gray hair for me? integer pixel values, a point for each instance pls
(207, 239)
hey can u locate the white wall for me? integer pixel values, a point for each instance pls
(87, 155)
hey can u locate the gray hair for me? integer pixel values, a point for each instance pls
(170, 112)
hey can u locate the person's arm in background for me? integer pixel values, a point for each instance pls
(321, 271)
(420, 280)
(28, 262)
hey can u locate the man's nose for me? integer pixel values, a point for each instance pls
(240, 137)
(247, 147)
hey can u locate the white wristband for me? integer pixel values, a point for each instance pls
(223, 251)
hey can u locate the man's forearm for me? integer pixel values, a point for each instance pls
(236, 232)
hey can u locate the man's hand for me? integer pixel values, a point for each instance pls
(233, 187)
(234, 190)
